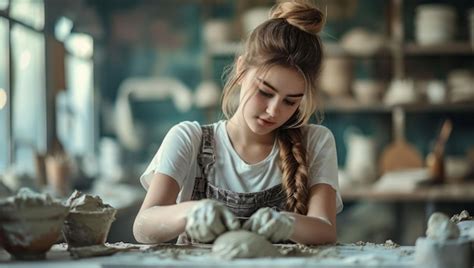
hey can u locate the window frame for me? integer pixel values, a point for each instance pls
(10, 84)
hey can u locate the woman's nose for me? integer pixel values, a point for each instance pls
(272, 107)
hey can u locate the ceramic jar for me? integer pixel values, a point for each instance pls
(361, 157)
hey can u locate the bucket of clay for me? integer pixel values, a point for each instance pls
(443, 253)
(466, 228)
(88, 228)
(28, 235)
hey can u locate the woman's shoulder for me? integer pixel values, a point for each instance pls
(191, 129)
(185, 131)
(187, 126)
(318, 137)
(314, 131)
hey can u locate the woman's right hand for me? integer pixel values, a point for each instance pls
(208, 219)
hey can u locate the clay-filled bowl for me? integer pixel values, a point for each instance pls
(28, 232)
(88, 228)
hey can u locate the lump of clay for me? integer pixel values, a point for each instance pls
(463, 216)
(243, 244)
(30, 223)
(79, 202)
(440, 227)
(89, 220)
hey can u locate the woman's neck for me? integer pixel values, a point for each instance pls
(252, 148)
(241, 135)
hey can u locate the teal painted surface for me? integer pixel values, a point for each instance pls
(185, 61)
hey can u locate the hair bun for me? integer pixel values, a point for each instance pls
(301, 14)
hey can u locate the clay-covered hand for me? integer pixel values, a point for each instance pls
(208, 219)
(273, 225)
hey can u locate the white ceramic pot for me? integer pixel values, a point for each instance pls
(361, 157)
(435, 24)
(436, 91)
(217, 31)
(336, 76)
(368, 91)
(254, 17)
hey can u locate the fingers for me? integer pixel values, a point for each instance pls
(208, 219)
(271, 224)
(199, 223)
(230, 221)
(257, 220)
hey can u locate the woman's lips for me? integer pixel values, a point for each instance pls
(264, 122)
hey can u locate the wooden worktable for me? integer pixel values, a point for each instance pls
(167, 255)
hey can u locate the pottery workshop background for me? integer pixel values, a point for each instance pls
(97, 84)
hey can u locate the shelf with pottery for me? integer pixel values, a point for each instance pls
(224, 49)
(405, 174)
(331, 49)
(448, 192)
(451, 48)
(353, 106)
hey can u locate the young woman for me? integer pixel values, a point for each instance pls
(265, 168)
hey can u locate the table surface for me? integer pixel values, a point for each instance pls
(168, 255)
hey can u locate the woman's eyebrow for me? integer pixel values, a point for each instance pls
(274, 89)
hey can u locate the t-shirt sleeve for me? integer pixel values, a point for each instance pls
(322, 160)
(176, 153)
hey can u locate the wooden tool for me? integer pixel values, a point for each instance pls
(435, 159)
(399, 154)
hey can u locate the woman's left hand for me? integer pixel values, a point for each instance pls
(273, 225)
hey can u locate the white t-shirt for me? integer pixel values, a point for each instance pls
(177, 158)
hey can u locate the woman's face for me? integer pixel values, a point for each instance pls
(268, 100)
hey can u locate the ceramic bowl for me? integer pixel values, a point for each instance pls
(88, 228)
(28, 232)
(368, 91)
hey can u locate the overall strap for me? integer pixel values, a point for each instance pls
(206, 157)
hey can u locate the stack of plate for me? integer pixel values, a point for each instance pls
(435, 24)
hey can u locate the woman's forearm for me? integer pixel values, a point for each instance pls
(312, 230)
(161, 223)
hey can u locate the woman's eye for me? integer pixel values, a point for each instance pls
(266, 94)
(288, 102)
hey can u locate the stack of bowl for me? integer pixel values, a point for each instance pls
(30, 224)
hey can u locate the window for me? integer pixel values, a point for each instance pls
(3, 4)
(4, 96)
(79, 137)
(30, 12)
(29, 98)
(23, 128)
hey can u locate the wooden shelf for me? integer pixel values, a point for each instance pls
(225, 50)
(333, 49)
(330, 49)
(462, 192)
(454, 48)
(356, 107)
(382, 108)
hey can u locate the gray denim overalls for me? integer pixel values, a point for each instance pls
(243, 205)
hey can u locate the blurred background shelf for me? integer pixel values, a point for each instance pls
(454, 48)
(382, 108)
(450, 192)
(74, 98)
